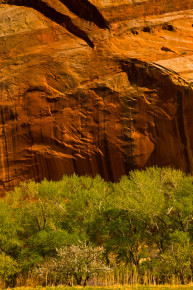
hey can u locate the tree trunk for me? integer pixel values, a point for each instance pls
(86, 280)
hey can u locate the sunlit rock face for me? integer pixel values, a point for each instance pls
(94, 87)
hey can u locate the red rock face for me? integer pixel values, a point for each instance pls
(94, 87)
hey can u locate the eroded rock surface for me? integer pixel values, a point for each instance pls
(99, 86)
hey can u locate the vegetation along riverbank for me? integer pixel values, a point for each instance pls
(85, 231)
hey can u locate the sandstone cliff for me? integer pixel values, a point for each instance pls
(94, 86)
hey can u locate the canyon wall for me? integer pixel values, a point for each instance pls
(94, 87)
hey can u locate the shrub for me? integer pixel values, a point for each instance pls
(8, 269)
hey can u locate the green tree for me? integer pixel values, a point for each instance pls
(39, 209)
(10, 243)
(161, 200)
(8, 269)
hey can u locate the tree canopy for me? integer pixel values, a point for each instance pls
(143, 223)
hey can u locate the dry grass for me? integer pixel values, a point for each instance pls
(140, 287)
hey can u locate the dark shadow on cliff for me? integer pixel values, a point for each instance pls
(86, 10)
(55, 16)
(158, 78)
(144, 74)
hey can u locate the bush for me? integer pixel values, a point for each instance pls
(8, 269)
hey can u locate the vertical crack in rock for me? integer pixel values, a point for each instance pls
(57, 17)
(182, 130)
(181, 126)
(5, 140)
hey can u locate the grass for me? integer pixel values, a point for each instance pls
(140, 287)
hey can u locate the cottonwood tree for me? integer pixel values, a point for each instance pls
(78, 261)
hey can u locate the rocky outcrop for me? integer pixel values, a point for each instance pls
(94, 86)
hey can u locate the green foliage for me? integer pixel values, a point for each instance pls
(176, 260)
(8, 268)
(161, 200)
(9, 240)
(144, 222)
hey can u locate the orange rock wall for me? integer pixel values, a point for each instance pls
(94, 87)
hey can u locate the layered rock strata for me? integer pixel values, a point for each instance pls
(94, 87)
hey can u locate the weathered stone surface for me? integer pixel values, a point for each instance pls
(94, 87)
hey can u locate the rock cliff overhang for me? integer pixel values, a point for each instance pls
(94, 87)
